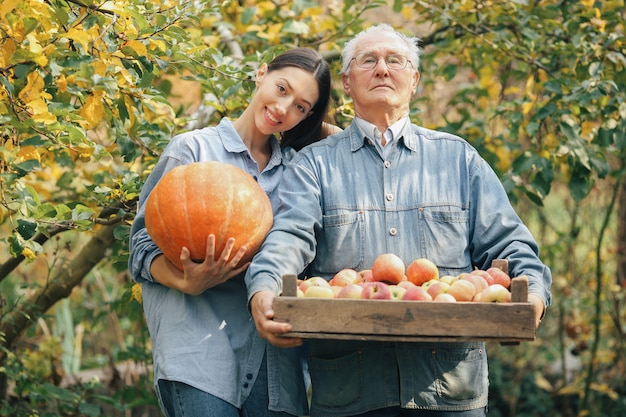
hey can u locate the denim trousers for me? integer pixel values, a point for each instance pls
(178, 399)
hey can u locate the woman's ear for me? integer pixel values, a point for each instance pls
(261, 72)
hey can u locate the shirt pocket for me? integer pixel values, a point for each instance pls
(444, 238)
(340, 380)
(460, 373)
(340, 244)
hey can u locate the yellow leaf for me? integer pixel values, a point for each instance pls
(28, 254)
(138, 47)
(28, 153)
(93, 109)
(587, 3)
(137, 294)
(551, 140)
(7, 49)
(587, 128)
(33, 88)
(527, 107)
(7, 6)
(79, 36)
(40, 112)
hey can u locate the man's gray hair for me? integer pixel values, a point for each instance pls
(411, 43)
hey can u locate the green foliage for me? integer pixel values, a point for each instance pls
(90, 93)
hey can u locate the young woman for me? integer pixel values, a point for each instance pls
(208, 357)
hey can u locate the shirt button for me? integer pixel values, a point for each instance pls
(389, 197)
(245, 385)
(393, 231)
(387, 164)
(249, 376)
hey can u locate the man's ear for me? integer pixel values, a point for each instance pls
(416, 81)
(346, 83)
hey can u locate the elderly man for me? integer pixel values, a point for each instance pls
(387, 185)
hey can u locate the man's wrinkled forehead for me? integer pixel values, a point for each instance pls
(379, 43)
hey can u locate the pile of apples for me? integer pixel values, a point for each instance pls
(389, 279)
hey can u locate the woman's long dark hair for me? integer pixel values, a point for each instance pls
(310, 129)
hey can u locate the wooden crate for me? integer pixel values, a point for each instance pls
(407, 321)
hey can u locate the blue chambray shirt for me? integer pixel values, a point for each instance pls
(342, 204)
(210, 341)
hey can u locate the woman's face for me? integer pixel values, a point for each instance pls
(284, 98)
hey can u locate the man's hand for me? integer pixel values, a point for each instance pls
(270, 330)
(198, 277)
(537, 302)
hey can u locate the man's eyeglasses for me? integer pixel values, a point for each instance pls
(369, 61)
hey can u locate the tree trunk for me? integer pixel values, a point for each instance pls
(621, 236)
(15, 322)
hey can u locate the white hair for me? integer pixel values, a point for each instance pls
(411, 42)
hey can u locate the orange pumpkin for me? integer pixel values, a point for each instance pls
(193, 201)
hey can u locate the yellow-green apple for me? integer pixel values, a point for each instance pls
(350, 291)
(316, 291)
(448, 279)
(445, 297)
(313, 282)
(375, 290)
(478, 281)
(397, 292)
(462, 290)
(495, 293)
(421, 270)
(345, 276)
(336, 289)
(388, 268)
(483, 274)
(366, 275)
(416, 294)
(429, 283)
(437, 288)
(299, 292)
(499, 276)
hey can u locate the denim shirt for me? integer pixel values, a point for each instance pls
(210, 341)
(432, 196)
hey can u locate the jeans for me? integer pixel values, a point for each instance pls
(181, 400)
(403, 412)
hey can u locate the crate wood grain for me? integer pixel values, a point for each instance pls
(407, 321)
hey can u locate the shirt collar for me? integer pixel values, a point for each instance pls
(393, 133)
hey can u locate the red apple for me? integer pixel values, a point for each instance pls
(499, 276)
(319, 292)
(437, 288)
(366, 275)
(397, 292)
(478, 281)
(388, 268)
(416, 294)
(313, 282)
(345, 277)
(483, 274)
(376, 290)
(445, 297)
(407, 285)
(494, 293)
(421, 270)
(350, 291)
(462, 290)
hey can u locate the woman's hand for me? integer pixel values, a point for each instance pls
(197, 277)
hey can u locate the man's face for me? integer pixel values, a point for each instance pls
(381, 88)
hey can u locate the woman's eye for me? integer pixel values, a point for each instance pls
(300, 108)
(281, 89)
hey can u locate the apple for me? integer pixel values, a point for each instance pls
(366, 275)
(397, 292)
(462, 290)
(428, 283)
(350, 291)
(421, 270)
(336, 289)
(495, 293)
(376, 290)
(407, 285)
(316, 291)
(416, 294)
(299, 292)
(445, 297)
(499, 276)
(448, 279)
(313, 282)
(344, 277)
(388, 268)
(483, 274)
(478, 281)
(437, 288)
